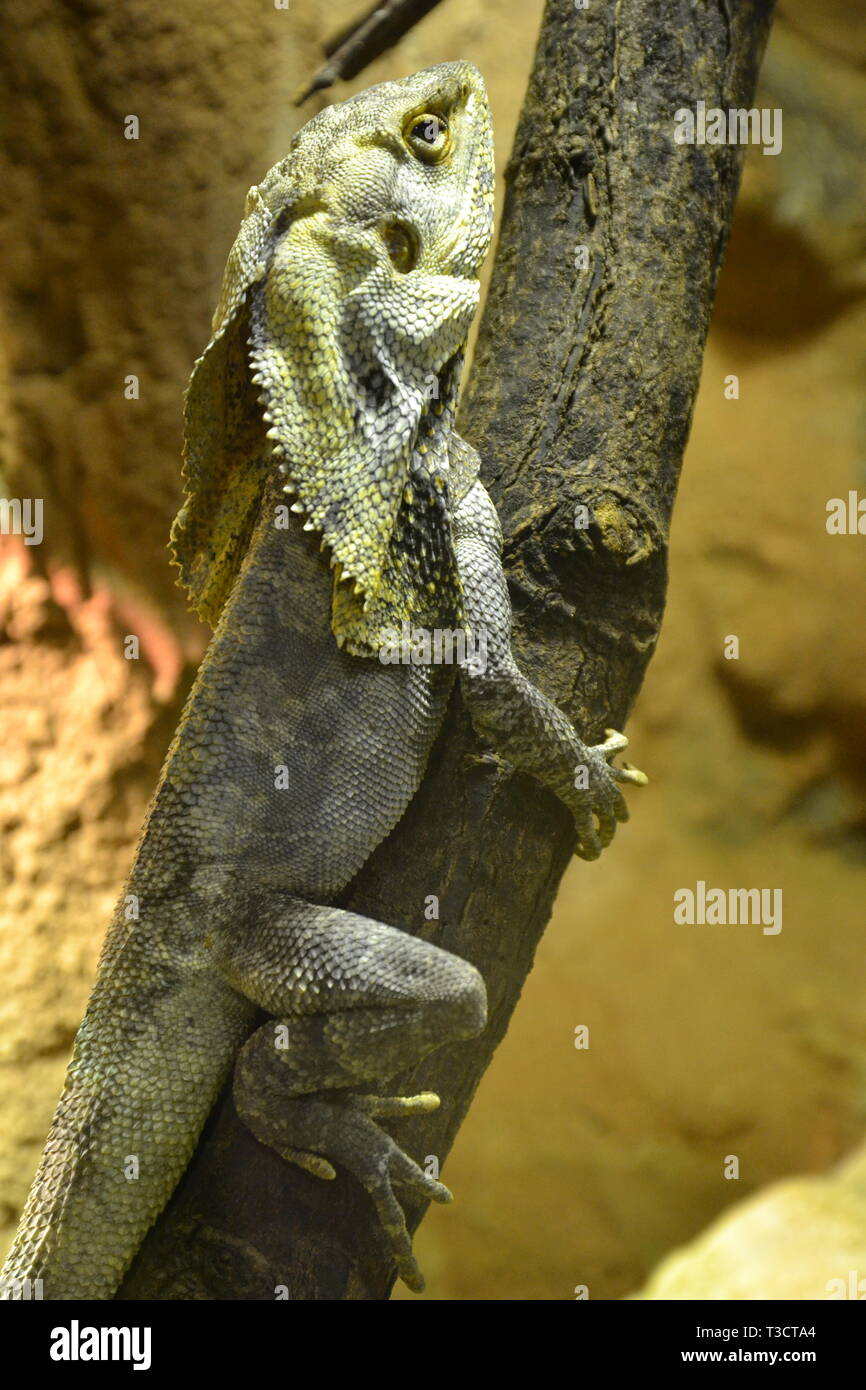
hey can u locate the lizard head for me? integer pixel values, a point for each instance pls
(354, 278)
(414, 156)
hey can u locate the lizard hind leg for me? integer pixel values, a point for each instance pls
(356, 1002)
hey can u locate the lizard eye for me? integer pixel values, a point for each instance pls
(428, 137)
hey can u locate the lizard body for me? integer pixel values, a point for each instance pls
(329, 499)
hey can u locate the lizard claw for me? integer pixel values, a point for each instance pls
(615, 742)
(311, 1163)
(627, 773)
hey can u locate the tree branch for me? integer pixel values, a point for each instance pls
(582, 395)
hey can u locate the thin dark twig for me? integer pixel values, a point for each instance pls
(355, 47)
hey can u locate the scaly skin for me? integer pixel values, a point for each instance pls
(328, 499)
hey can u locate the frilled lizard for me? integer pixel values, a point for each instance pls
(329, 502)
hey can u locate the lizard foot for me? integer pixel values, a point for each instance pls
(597, 803)
(345, 1128)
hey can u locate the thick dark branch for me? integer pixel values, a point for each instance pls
(582, 395)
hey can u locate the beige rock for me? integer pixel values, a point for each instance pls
(805, 1238)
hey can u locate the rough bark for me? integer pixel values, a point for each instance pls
(581, 395)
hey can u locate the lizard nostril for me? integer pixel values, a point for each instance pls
(401, 244)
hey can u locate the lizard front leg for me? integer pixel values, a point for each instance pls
(355, 1002)
(506, 708)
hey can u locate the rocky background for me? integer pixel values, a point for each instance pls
(707, 1044)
